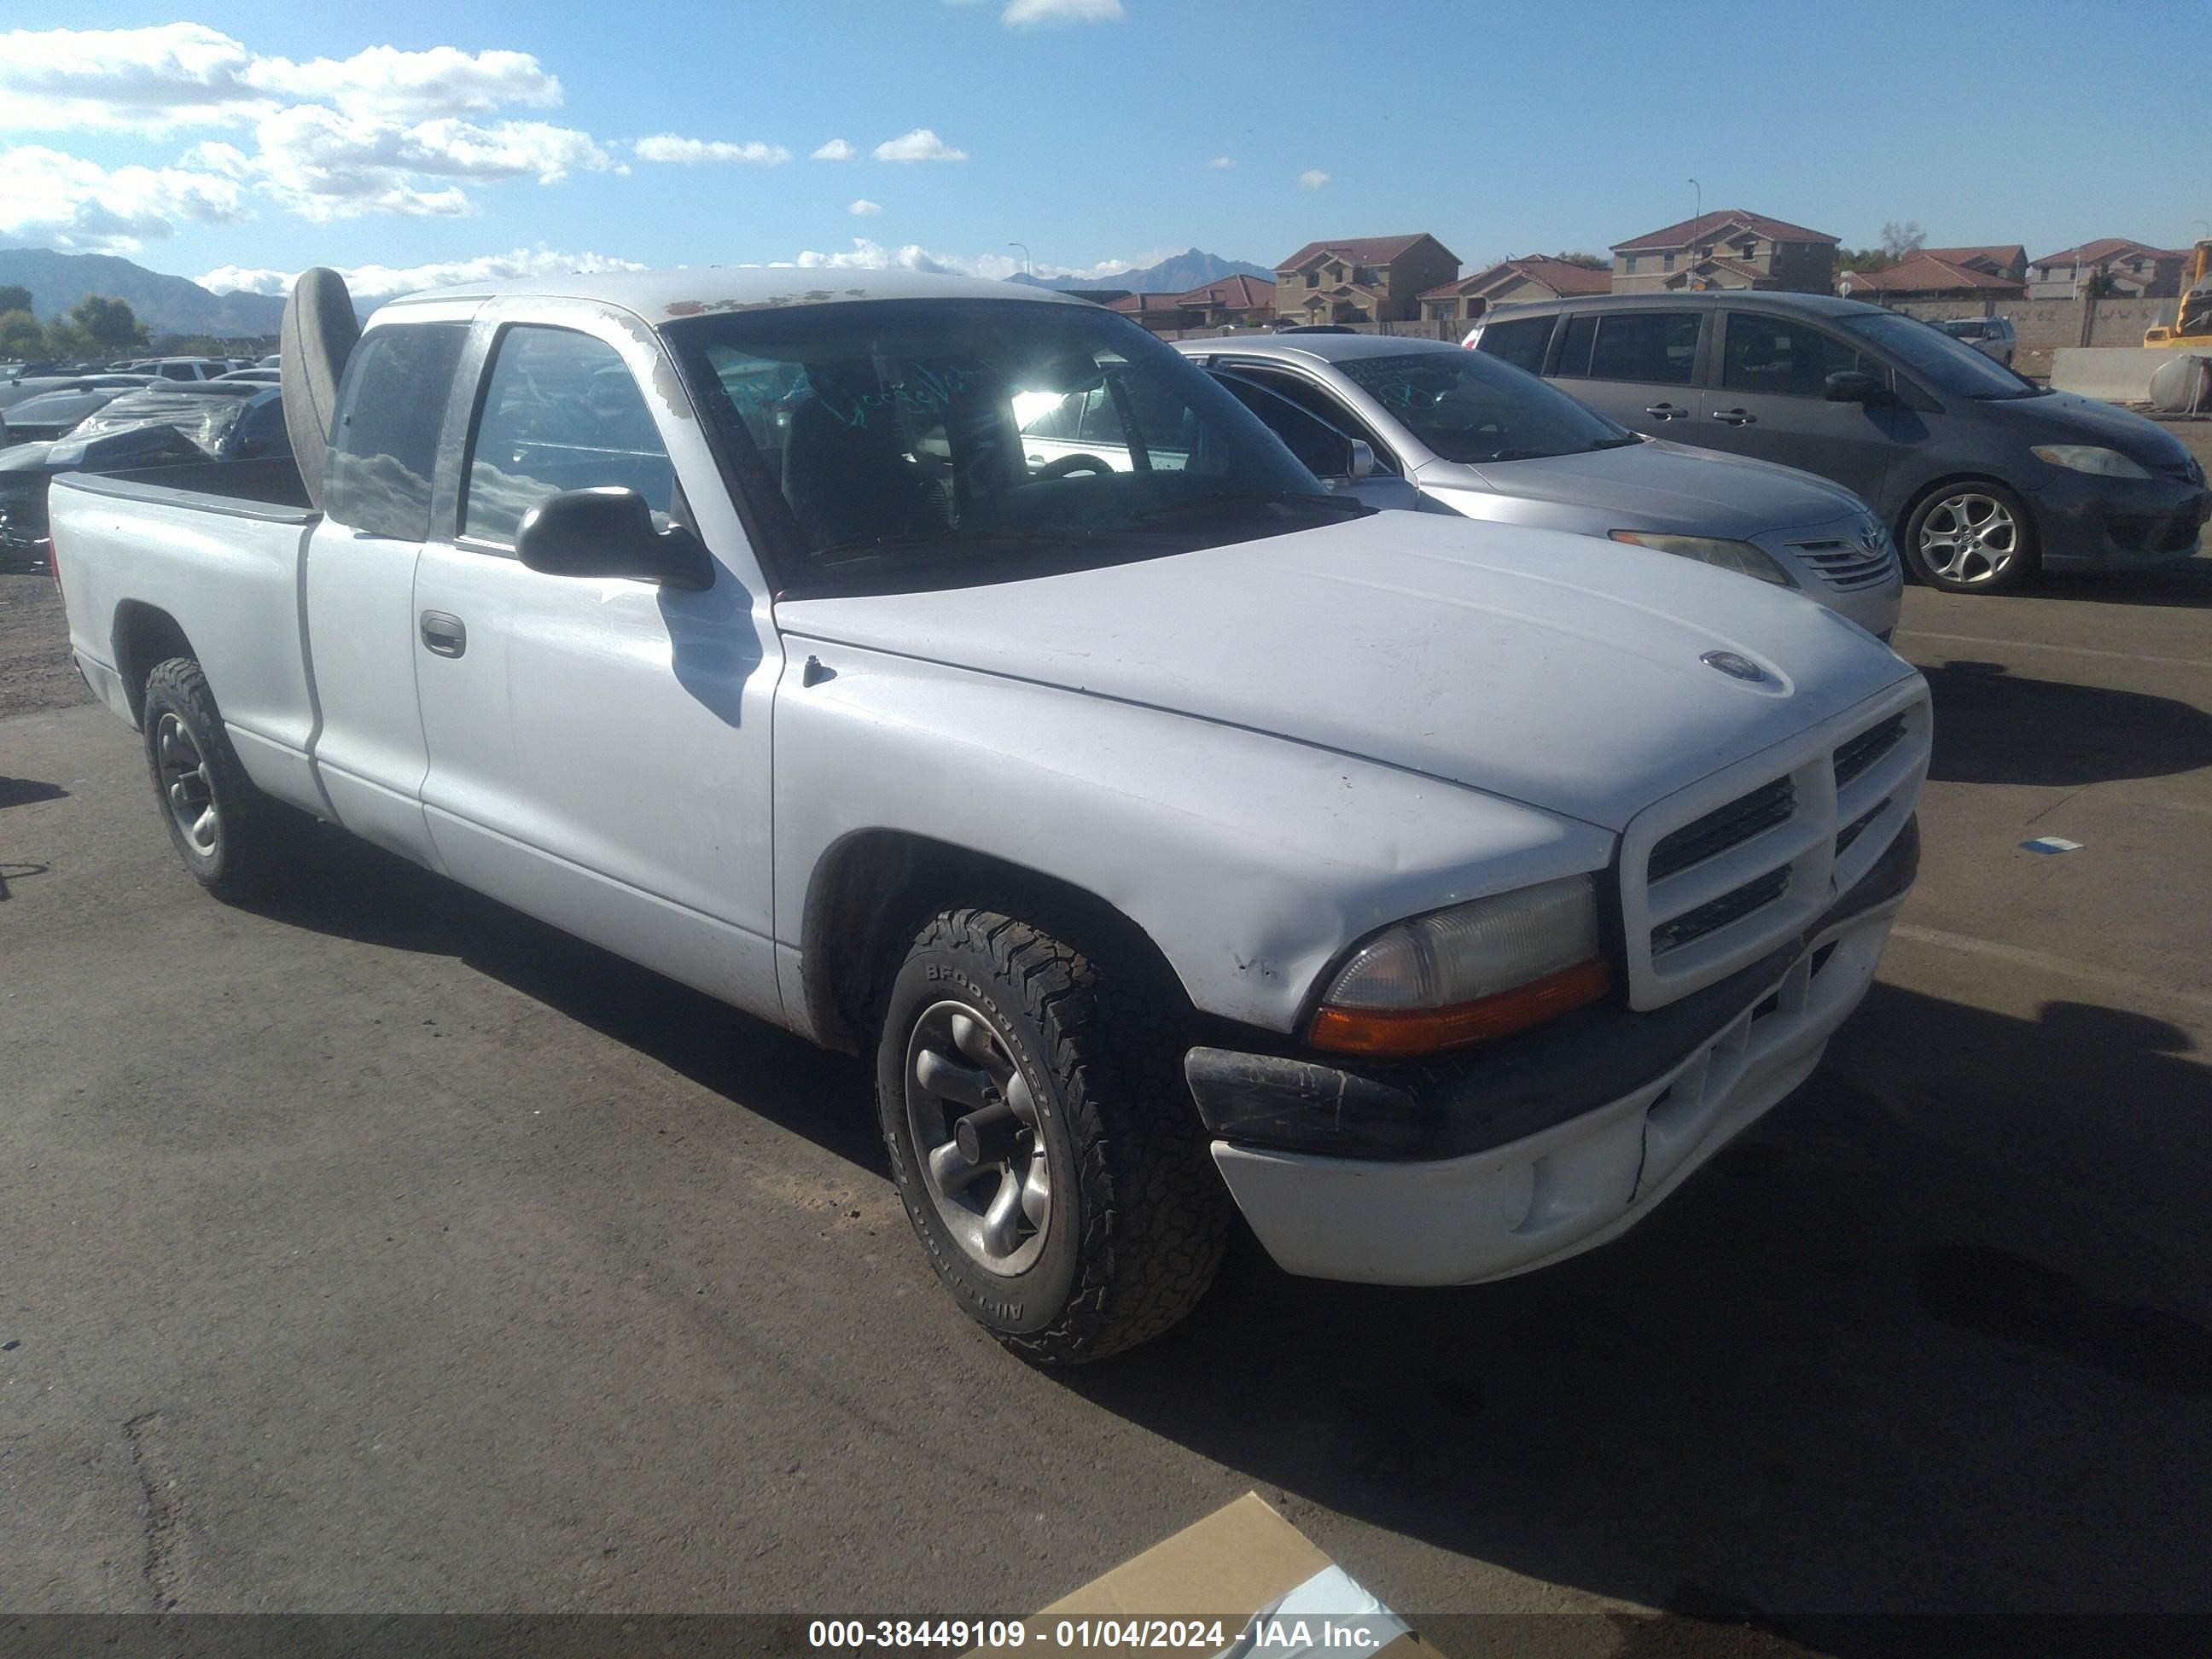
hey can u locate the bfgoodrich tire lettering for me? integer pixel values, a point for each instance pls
(232, 838)
(1090, 1218)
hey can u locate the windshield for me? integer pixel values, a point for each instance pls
(948, 443)
(205, 421)
(1940, 360)
(1473, 408)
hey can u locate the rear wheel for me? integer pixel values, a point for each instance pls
(1044, 1142)
(1974, 537)
(231, 836)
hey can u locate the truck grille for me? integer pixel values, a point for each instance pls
(1847, 565)
(1728, 826)
(1721, 873)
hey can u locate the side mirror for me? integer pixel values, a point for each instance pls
(608, 531)
(1363, 460)
(1848, 386)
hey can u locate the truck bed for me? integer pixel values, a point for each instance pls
(268, 489)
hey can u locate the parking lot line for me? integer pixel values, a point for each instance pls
(2039, 645)
(2027, 957)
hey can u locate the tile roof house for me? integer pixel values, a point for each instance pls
(1244, 300)
(2125, 267)
(1729, 247)
(1361, 279)
(1157, 312)
(1536, 278)
(1929, 274)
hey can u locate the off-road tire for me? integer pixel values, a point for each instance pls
(1139, 1217)
(255, 838)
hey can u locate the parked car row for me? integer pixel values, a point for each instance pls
(1982, 477)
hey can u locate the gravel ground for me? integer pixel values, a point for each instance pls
(36, 673)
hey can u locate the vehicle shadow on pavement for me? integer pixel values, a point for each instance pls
(350, 889)
(1931, 1337)
(2186, 587)
(2075, 734)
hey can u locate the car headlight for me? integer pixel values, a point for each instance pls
(1474, 971)
(2088, 457)
(1742, 557)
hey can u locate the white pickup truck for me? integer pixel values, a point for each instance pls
(1173, 833)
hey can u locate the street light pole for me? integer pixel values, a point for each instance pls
(1025, 248)
(1698, 199)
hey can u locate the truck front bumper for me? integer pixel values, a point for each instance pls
(1587, 1173)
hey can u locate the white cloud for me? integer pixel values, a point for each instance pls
(52, 200)
(379, 282)
(920, 145)
(1312, 179)
(443, 81)
(1221, 162)
(154, 80)
(837, 150)
(866, 255)
(1024, 14)
(324, 164)
(667, 147)
(864, 205)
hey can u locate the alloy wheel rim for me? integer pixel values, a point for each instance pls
(1970, 538)
(187, 787)
(977, 1137)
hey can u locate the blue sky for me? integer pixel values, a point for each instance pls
(255, 138)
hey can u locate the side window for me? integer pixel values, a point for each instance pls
(1783, 356)
(1317, 402)
(1575, 347)
(1321, 450)
(561, 411)
(384, 442)
(1521, 344)
(1656, 347)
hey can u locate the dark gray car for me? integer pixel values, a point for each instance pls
(1984, 476)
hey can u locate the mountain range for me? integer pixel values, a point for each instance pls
(177, 304)
(166, 304)
(1186, 271)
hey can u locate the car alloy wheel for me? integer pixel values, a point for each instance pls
(1969, 538)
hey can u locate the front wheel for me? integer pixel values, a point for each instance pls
(231, 836)
(1974, 537)
(1045, 1146)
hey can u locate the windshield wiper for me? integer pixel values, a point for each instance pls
(1347, 506)
(843, 553)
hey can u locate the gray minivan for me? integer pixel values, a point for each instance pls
(1984, 476)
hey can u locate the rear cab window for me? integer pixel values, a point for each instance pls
(384, 439)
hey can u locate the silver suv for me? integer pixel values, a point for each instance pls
(1993, 337)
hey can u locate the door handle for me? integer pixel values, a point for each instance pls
(444, 635)
(1667, 412)
(1735, 417)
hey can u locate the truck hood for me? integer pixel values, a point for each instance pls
(1662, 486)
(1552, 669)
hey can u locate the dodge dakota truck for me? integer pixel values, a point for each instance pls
(1175, 834)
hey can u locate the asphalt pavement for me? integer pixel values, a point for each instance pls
(384, 1250)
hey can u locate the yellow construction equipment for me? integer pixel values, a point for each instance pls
(2192, 318)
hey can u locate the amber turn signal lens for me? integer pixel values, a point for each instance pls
(1426, 1031)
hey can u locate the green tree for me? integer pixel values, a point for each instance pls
(14, 297)
(107, 324)
(1587, 261)
(22, 336)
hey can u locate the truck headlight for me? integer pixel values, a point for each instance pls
(2090, 459)
(1474, 971)
(1742, 557)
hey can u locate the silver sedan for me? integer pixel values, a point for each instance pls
(1426, 425)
